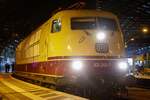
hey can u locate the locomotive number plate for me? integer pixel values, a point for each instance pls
(101, 47)
(101, 65)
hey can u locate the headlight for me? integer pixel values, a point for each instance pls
(101, 36)
(77, 65)
(123, 65)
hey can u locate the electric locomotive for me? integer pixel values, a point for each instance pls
(74, 47)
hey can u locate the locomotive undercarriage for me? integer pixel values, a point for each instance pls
(95, 88)
(106, 87)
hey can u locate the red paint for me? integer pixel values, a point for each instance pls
(60, 67)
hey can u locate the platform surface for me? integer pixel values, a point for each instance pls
(14, 89)
(142, 76)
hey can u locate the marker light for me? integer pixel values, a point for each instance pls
(123, 65)
(101, 36)
(77, 65)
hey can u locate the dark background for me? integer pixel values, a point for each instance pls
(19, 17)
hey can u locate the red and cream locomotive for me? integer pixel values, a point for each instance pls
(74, 47)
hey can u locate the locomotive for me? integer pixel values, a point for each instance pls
(75, 48)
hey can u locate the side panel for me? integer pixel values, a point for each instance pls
(43, 49)
(33, 49)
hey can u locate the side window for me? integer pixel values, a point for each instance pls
(56, 26)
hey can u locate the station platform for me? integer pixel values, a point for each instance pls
(145, 74)
(14, 89)
(142, 76)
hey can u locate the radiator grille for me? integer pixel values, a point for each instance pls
(101, 47)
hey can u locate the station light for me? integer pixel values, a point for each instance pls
(132, 39)
(145, 30)
(126, 46)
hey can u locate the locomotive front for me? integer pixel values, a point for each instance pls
(98, 45)
(92, 47)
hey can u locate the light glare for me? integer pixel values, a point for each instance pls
(101, 36)
(123, 65)
(145, 30)
(77, 65)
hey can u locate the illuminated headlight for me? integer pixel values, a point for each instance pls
(77, 65)
(101, 36)
(123, 65)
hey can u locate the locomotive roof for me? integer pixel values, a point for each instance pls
(84, 11)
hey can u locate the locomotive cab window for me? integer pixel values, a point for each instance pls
(107, 24)
(83, 23)
(80, 23)
(56, 26)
